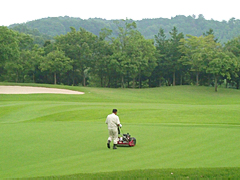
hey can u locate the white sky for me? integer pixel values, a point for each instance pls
(20, 11)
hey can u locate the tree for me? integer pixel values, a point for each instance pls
(162, 51)
(133, 55)
(32, 59)
(141, 56)
(56, 62)
(78, 46)
(210, 32)
(37, 37)
(221, 65)
(101, 69)
(233, 46)
(125, 29)
(174, 54)
(18, 69)
(9, 49)
(193, 50)
(44, 29)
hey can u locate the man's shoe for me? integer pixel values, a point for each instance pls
(108, 144)
(114, 146)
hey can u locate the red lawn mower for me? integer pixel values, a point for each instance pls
(125, 140)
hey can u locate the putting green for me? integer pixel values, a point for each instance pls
(53, 135)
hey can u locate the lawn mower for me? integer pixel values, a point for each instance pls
(125, 140)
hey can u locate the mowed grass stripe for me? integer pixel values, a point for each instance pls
(176, 127)
(44, 149)
(147, 113)
(170, 173)
(14, 112)
(190, 95)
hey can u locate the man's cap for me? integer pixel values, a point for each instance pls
(114, 110)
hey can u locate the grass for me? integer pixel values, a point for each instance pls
(181, 132)
(196, 173)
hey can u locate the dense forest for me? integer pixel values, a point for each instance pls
(192, 25)
(119, 56)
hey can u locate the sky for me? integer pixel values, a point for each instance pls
(22, 11)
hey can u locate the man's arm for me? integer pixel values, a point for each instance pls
(118, 122)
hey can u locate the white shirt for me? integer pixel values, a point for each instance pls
(112, 121)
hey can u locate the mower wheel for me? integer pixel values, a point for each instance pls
(134, 140)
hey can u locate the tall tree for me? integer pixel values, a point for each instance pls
(193, 49)
(101, 69)
(210, 32)
(162, 50)
(233, 46)
(78, 46)
(141, 55)
(56, 62)
(174, 53)
(221, 65)
(9, 49)
(33, 57)
(125, 29)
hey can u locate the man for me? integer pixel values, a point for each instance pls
(113, 123)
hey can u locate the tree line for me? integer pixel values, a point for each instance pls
(128, 60)
(194, 25)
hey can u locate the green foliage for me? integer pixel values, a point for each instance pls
(38, 38)
(133, 54)
(9, 51)
(53, 26)
(8, 44)
(204, 54)
(122, 56)
(78, 46)
(56, 62)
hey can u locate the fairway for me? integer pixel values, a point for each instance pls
(62, 135)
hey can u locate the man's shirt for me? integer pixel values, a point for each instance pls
(112, 121)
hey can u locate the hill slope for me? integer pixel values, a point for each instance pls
(224, 30)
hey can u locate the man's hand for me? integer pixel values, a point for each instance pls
(120, 125)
